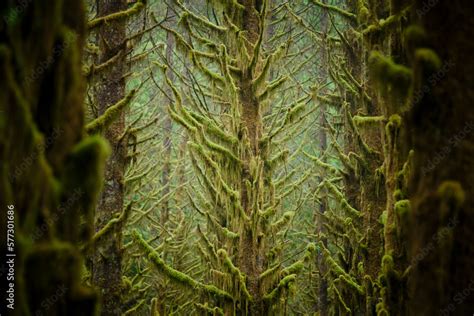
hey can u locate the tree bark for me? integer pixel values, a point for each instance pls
(107, 257)
(49, 172)
(441, 189)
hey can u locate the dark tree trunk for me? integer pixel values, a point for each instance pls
(49, 172)
(107, 258)
(442, 191)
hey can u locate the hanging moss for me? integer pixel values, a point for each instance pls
(221, 149)
(360, 121)
(236, 272)
(393, 79)
(339, 271)
(346, 14)
(176, 275)
(363, 12)
(283, 221)
(402, 208)
(116, 16)
(452, 196)
(111, 114)
(284, 284)
(414, 38)
(211, 310)
(332, 170)
(91, 152)
(154, 307)
(428, 59)
(296, 267)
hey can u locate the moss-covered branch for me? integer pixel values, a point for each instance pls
(116, 16)
(176, 275)
(111, 114)
(336, 9)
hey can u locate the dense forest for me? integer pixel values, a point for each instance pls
(237, 157)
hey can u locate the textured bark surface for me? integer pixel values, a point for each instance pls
(442, 191)
(168, 123)
(250, 258)
(107, 257)
(49, 171)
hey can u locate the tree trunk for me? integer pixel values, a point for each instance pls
(107, 258)
(250, 260)
(168, 123)
(441, 189)
(49, 173)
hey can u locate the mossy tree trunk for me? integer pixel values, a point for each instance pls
(441, 134)
(250, 258)
(323, 302)
(168, 123)
(50, 172)
(110, 89)
(390, 82)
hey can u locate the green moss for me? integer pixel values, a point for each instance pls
(236, 272)
(381, 310)
(392, 130)
(398, 195)
(299, 265)
(282, 285)
(179, 119)
(272, 87)
(278, 159)
(415, 37)
(402, 208)
(270, 272)
(364, 14)
(395, 120)
(311, 247)
(341, 199)
(222, 150)
(176, 275)
(429, 59)
(210, 310)
(336, 9)
(360, 121)
(117, 15)
(283, 221)
(340, 272)
(111, 114)
(154, 307)
(91, 152)
(452, 197)
(383, 218)
(387, 264)
(452, 191)
(393, 79)
(111, 224)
